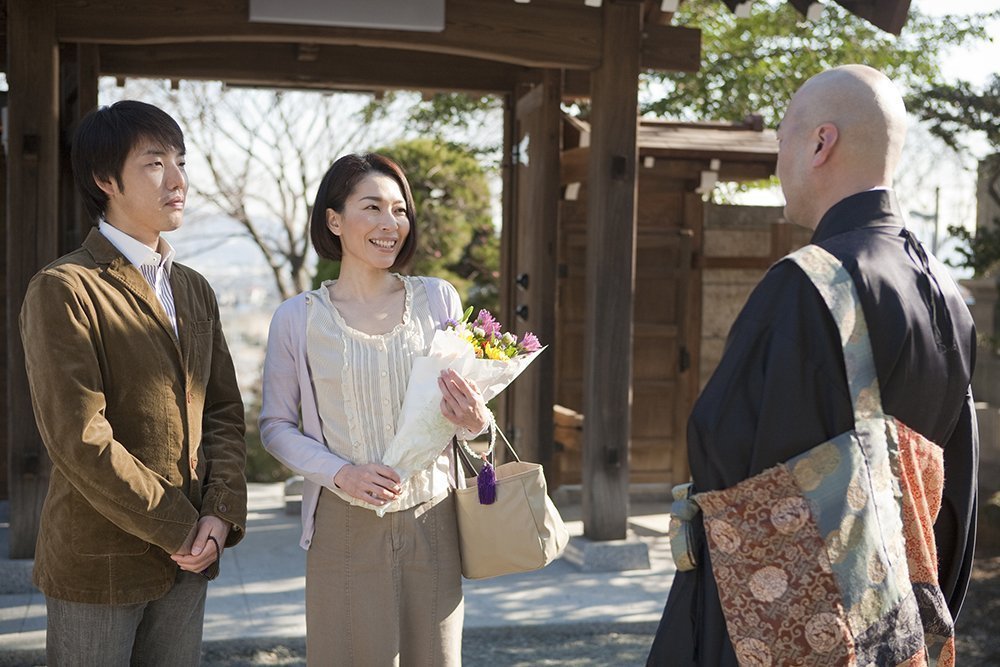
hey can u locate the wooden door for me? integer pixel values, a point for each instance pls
(666, 325)
(530, 282)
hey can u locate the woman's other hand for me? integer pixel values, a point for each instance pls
(461, 402)
(373, 483)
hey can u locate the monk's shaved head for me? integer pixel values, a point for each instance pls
(849, 123)
(866, 108)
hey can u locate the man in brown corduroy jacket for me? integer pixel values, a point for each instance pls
(137, 403)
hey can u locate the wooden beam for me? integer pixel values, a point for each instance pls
(746, 171)
(89, 65)
(653, 13)
(330, 66)
(574, 165)
(576, 84)
(554, 33)
(889, 15)
(610, 282)
(575, 162)
(670, 48)
(549, 34)
(32, 239)
(664, 48)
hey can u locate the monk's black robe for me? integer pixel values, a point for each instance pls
(781, 388)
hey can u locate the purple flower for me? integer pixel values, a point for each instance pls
(529, 343)
(489, 325)
(488, 340)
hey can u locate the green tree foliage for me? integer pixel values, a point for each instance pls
(953, 109)
(457, 239)
(754, 65)
(979, 251)
(457, 112)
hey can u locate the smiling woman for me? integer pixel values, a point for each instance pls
(368, 194)
(339, 360)
(373, 223)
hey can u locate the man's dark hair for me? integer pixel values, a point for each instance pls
(338, 184)
(105, 138)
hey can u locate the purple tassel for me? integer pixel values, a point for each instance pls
(487, 483)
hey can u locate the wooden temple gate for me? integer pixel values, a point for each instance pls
(534, 55)
(681, 256)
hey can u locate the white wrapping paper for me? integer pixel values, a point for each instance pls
(422, 432)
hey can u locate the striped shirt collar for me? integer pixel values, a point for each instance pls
(136, 252)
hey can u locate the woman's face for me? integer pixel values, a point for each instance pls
(373, 224)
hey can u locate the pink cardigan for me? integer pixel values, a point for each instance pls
(288, 393)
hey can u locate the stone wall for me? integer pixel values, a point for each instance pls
(739, 244)
(986, 379)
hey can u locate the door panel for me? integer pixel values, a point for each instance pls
(531, 286)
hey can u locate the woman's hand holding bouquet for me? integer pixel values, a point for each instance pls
(477, 351)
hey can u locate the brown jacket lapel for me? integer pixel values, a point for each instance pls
(118, 268)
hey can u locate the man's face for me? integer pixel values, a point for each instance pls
(152, 194)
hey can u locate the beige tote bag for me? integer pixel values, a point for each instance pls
(520, 531)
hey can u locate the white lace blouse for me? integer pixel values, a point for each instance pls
(359, 381)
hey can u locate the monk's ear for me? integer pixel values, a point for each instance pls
(826, 136)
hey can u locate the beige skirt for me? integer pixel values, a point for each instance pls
(384, 591)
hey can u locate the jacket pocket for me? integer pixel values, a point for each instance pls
(94, 535)
(202, 327)
(201, 351)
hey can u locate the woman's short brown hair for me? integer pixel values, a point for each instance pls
(337, 185)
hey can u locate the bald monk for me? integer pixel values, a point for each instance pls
(781, 386)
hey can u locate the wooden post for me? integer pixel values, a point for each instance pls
(32, 238)
(4, 330)
(507, 232)
(79, 67)
(611, 228)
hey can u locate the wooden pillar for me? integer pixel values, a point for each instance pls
(79, 69)
(32, 238)
(611, 228)
(4, 330)
(507, 233)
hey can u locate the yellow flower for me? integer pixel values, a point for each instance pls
(494, 353)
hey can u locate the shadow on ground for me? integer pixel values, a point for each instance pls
(579, 645)
(591, 644)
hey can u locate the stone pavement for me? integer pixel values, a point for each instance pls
(260, 593)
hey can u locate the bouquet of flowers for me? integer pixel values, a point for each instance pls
(478, 351)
